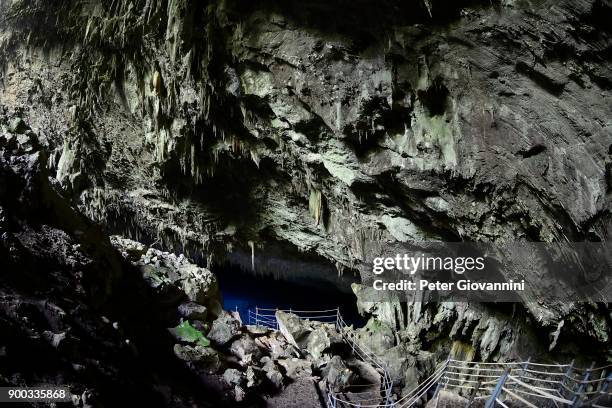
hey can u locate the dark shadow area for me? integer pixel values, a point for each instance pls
(363, 20)
(243, 290)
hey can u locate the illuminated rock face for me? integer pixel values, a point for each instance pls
(339, 130)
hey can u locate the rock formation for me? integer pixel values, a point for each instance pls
(328, 132)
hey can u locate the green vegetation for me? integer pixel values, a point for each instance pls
(189, 334)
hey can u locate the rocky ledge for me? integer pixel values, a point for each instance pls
(250, 363)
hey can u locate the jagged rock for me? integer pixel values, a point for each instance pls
(233, 377)
(192, 311)
(201, 326)
(55, 339)
(18, 126)
(426, 363)
(318, 341)
(397, 360)
(245, 349)
(199, 284)
(257, 331)
(171, 275)
(343, 137)
(130, 249)
(376, 336)
(252, 377)
(447, 399)
(337, 374)
(204, 357)
(296, 368)
(292, 327)
(236, 315)
(272, 372)
(224, 329)
(89, 399)
(239, 393)
(277, 346)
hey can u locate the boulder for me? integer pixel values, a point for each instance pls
(224, 329)
(366, 372)
(239, 393)
(168, 273)
(257, 331)
(292, 327)
(204, 357)
(199, 284)
(317, 342)
(376, 336)
(17, 125)
(397, 360)
(253, 377)
(233, 377)
(447, 399)
(272, 372)
(236, 315)
(131, 250)
(245, 349)
(337, 374)
(157, 277)
(296, 367)
(192, 311)
(201, 326)
(335, 337)
(277, 346)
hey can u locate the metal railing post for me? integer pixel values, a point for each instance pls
(498, 389)
(439, 385)
(577, 395)
(561, 390)
(524, 368)
(276, 320)
(604, 388)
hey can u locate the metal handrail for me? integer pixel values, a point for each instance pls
(536, 380)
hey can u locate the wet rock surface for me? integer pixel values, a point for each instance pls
(340, 131)
(341, 138)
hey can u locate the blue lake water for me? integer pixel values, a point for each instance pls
(244, 290)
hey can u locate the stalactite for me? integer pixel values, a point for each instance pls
(252, 246)
(316, 206)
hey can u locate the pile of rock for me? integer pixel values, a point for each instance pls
(174, 277)
(249, 361)
(300, 350)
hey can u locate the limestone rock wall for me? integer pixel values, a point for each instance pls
(342, 130)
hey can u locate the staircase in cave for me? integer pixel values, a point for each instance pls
(504, 384)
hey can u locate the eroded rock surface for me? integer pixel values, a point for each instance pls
(339, 131)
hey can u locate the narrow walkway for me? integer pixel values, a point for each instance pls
(351, 396)
(509, 384)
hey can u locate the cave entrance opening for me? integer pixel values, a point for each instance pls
(243, 289)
